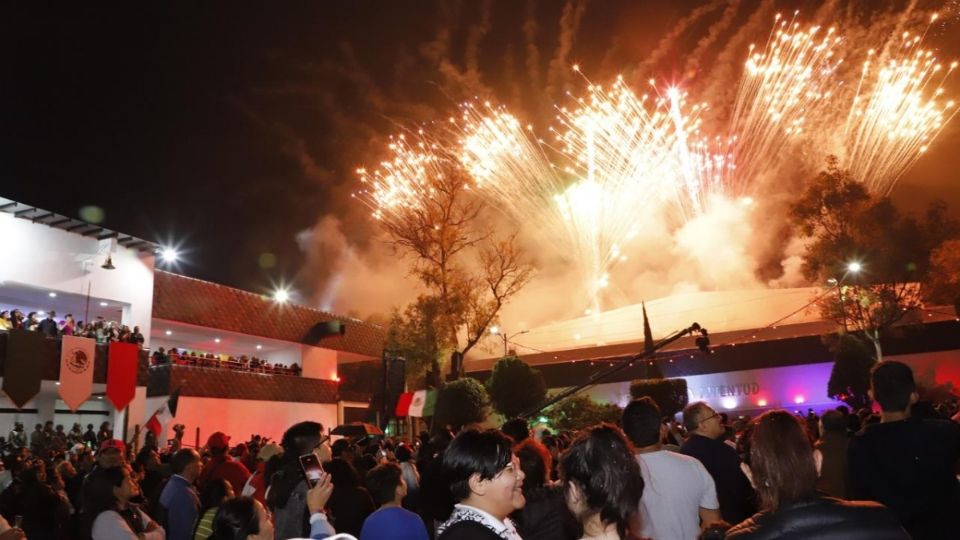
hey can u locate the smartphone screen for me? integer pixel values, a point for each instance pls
(312, 471)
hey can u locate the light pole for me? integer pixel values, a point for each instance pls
(497, 331)
(852, 268)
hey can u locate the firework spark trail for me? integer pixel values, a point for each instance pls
(791, 79)
(895, 114)
(615, 156)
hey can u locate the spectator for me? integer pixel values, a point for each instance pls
(222, 465)
(5, 322)
(679, 496)
(45, 514)
(153, 479)
(256, 486)
(105, 432)
(906, 463)
(734, 492)
(212, 497)
(436, 500)
(179, 503)
(48, 326)
(135, 336)
(37, 440)
(31, 323)
(243, 518)
(486, 483)
(69, 325)
(832, 452)
(786, 476)
(350, 503)
(517, 429)
(544, 514)
(288, 489)
(17, 436)
(90, 437)
(411, 477)
(388, 489)
(107, 504)
(602, 482)
(111, 453)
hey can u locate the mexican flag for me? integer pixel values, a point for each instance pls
(164, 414)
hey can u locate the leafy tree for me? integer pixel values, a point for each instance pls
(844, 223)
(580, 411)
(850, 375)
(515, 387)
(461, 402)
(468, 274)
(943, 285)
(669, 394)
(413, 335)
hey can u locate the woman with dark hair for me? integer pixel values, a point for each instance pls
(46, 514)
(213, 495)
(785, 475)
(602, 482)
(486, 483)
(545, 515)
(242, 518)
(107, 503)
(350, 503)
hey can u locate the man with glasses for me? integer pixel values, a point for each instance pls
(705, 427)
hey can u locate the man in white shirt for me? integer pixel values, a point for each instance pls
(679, 496)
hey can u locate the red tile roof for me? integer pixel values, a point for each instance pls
(202, 303)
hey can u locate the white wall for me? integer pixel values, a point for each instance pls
(318, 363)
(53, 259)
(240, 418)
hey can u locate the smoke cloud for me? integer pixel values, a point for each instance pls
(735, 244)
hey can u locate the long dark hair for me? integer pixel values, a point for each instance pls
(213, 494)
(98, 493)
(600, 462)
(236, 519)
(781, 459)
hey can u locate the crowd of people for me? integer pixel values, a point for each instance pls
(780, 475)
(47, 323)
(250, 364)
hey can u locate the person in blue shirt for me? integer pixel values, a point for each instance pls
(180, 504)
(387, 487)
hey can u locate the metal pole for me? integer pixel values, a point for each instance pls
(600, 375)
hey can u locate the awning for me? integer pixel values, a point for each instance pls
(403, 404)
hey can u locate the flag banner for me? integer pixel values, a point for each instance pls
(164, 414)
(430, 403)
(76, 370)
(417, 402)
(23, 368)
(403, 404)
(122, 373)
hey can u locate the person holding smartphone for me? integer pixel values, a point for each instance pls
(287, 497)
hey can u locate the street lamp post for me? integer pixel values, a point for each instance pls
(852, 268)
(497, 331)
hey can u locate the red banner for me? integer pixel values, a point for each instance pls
(122, 373)
(76, 370)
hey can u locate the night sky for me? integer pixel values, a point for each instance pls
(230, 127)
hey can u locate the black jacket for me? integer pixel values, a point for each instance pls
(822, 518)
(468, 530)
(736, 496)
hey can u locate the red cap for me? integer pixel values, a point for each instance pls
(113, 443)
(218, 440)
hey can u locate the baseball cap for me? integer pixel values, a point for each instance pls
(116, 444)
(218, 440)
(268, 451)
